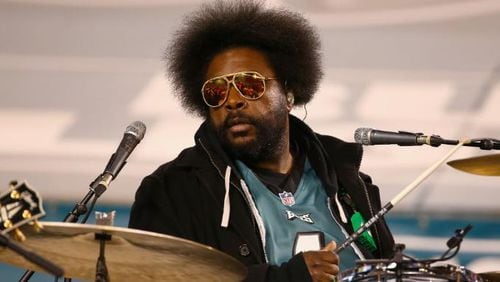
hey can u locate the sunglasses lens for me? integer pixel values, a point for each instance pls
(215, 91)
(251, 85)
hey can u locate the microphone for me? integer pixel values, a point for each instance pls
(459, 236)
(370, 136)
(132, 136)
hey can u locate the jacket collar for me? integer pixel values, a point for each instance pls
(321, 149)
(207, 141)
(328, 155)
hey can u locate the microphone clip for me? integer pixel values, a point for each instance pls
(456, 240)
(433, 140)
(101, 184)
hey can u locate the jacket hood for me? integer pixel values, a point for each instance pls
(299, 131)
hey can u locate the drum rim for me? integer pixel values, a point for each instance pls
(379, 269)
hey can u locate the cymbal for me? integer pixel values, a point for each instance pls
(490, 276)
(488, 165)
(131, 255)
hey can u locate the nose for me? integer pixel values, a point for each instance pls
(235, 101)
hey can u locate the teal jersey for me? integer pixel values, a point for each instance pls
(297, 222)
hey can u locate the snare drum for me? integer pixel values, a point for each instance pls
(383, 270)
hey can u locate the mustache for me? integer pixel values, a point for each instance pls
(233, 119)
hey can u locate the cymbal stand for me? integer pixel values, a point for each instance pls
(101, 273)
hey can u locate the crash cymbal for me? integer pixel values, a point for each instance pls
(131, 255)
(493, 276)
(488, 165)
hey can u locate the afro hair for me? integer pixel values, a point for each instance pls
(287, 39)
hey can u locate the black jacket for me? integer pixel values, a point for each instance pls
(184, 198)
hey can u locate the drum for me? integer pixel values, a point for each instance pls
(407, 271)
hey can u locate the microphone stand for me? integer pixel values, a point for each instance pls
(481, 143)
(97, 187)
(31, 256)
(397, 198)
(132, 136)
(484, 143)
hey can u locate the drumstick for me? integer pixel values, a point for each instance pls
(398, 198)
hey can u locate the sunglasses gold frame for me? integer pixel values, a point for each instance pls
(231, 82)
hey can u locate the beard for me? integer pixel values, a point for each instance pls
(270, 136)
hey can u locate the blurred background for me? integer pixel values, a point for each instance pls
(74, 74)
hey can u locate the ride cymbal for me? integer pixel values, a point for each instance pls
(488, 165)
(131, 255)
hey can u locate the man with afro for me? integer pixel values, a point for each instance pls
(259, 184)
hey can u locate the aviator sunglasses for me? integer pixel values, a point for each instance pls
(250, 84)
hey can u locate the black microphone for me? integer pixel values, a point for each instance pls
(132, 136)
(459, 236)
(370, 136)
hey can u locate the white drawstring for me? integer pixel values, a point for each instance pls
(340, 208)
(256, 214)
(227, 206)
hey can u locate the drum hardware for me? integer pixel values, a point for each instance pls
(130, 255)
(488, 165)
(408, 271)
(405, 268)
(101, 272)
(107, 219)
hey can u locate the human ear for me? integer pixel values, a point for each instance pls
(290, 99)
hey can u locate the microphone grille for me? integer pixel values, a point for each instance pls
(137, 128)
(361, 136)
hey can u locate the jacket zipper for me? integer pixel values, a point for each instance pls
(220, 174)
(254, 224)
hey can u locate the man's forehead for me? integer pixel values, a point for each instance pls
(238, 59)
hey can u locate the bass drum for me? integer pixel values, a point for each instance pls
(383, 270)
